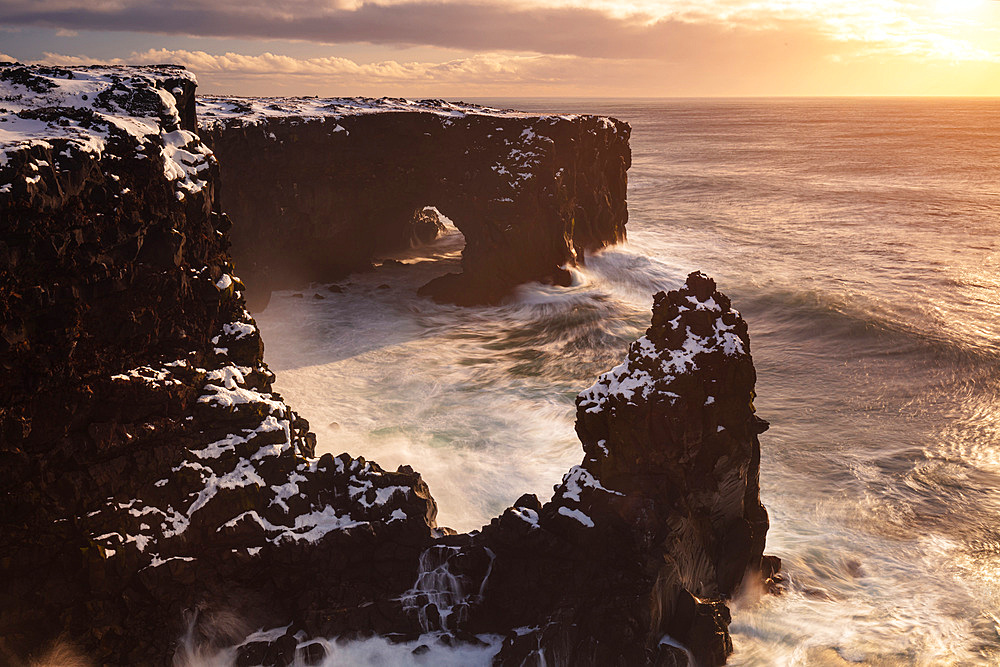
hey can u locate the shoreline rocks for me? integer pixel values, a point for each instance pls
(156, 487)
(642, 543)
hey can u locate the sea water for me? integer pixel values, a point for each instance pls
(859, 238)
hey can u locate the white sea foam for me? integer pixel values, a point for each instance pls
(374, 652)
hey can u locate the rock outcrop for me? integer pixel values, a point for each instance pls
(155, 486)
(147, 469)
(632, 560)
(321, 186)
(643, 542)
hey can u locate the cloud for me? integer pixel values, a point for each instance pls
(585, 28)
(738, 67)
(566, 47)
(481, 74)
(495, 66)
(459, 25)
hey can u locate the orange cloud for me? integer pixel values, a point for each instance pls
(566, 47)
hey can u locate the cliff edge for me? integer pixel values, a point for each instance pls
(149, 474)
(337, 182)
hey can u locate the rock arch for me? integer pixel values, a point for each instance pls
(342, 179)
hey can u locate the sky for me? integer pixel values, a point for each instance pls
(529, 48)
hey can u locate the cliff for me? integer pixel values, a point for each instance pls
(147, 469)
(154, 485)
(337, 182)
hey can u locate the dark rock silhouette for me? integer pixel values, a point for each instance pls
(155, 487)
(337, 182)
(657, 527)
(148, 473)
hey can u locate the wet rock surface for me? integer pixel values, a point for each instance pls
(159, 495)
(337, 182)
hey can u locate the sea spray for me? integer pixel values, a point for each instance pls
(438, 594)
(427, 650)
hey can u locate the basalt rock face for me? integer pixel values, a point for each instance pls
(149, 475)
(337, 182)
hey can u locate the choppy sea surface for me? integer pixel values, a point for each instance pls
(861, 241)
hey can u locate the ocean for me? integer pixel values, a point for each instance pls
(858, 237)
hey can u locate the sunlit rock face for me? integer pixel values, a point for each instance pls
(321, 186)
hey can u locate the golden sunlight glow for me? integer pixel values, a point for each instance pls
(959, 6)
(705, 47)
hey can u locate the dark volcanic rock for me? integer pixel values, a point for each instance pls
(348, 179)
(426, 226)
(148, 473)
(156, 488)
(658, 526)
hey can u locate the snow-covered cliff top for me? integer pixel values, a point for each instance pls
(65, 111)
(214, 111)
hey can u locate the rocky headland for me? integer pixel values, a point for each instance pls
(155, 486)
(321, 187)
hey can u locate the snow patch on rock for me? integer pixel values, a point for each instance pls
(577, 515)
(51, 115)
(651, 367)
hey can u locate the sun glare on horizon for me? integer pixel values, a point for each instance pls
(959, 6)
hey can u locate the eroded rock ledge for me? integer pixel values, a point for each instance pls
(322, 186)
(154, 485)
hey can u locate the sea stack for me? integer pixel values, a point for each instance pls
(643, 542)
